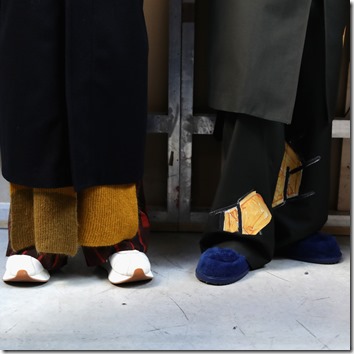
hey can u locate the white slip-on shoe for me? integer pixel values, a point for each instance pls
(24, 268)
(129, 266)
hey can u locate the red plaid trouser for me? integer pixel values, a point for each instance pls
(95, 255)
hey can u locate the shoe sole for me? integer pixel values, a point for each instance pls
(23, 277)
(333, 260)
(220, 281)
(137, 276)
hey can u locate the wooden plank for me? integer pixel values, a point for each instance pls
(348, 95)
(341, 128)
(344, 178)
(336, 230)
(339, 220)
(338, 224)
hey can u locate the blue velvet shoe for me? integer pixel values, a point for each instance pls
(317, 248)
(221, 266)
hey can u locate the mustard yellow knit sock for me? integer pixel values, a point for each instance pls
(107, 215)
(55, 220)
(21, 217)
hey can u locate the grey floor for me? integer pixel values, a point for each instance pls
(287, 305)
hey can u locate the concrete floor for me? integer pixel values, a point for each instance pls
(287, 305)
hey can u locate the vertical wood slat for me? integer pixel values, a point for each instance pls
(343, 203)
(344, 180)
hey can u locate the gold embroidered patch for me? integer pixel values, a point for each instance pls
(254, 215)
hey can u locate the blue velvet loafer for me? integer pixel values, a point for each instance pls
(221, 266)
(317, 248)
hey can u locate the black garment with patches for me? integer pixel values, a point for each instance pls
(254, 148)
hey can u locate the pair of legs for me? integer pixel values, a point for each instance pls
(273, 194)
(269, 197)
(46, 226)
(73, 108)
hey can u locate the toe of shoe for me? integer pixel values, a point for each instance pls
(221, 266)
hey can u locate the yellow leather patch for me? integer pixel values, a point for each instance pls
(290, 162)
(255, 215)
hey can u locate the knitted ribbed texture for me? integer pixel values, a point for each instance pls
(55, 220)
(107, 215)
(21, 217)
